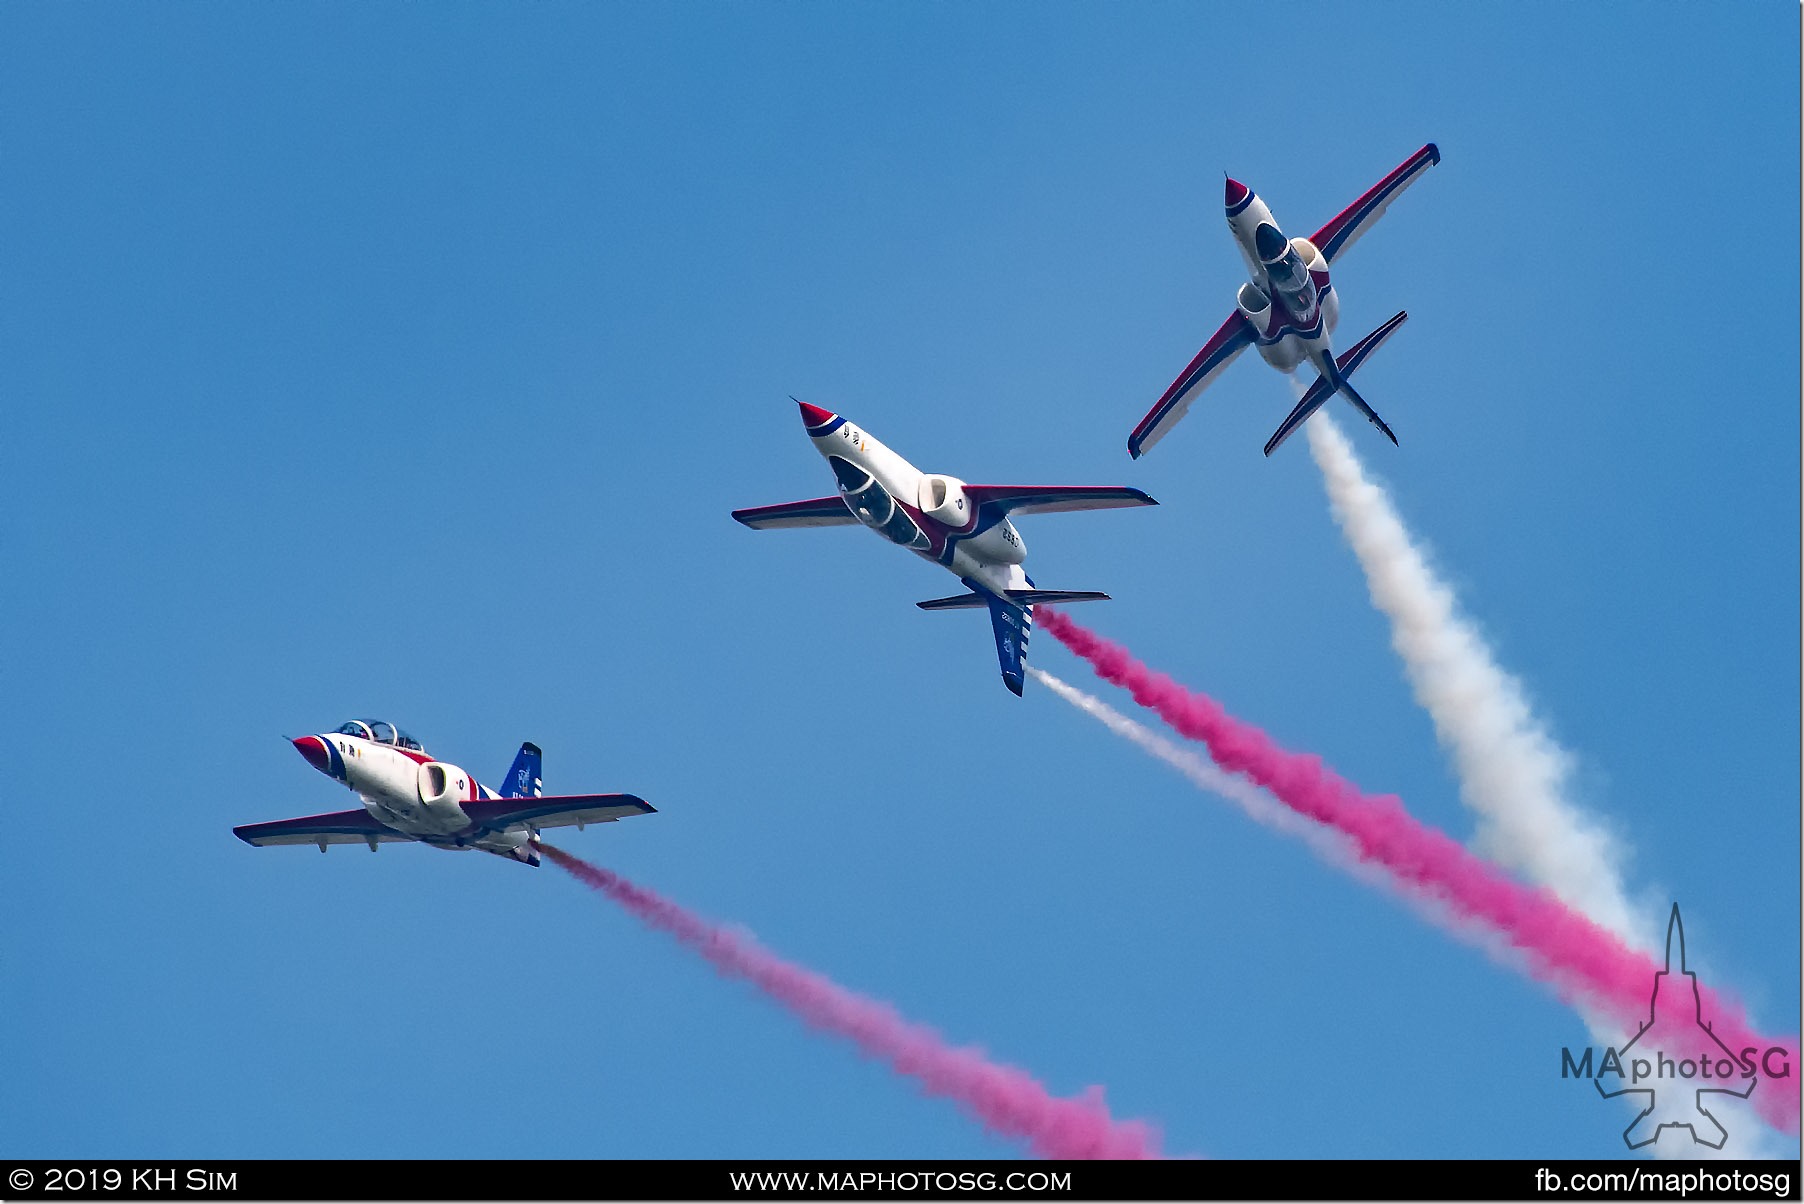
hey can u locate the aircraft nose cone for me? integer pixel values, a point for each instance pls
(813, 416)
(1237, 192)
(1269, 241)
(314, 749)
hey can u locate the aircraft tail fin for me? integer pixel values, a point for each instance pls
(526, 778)
(1011, 617)
(1012, 622)
(1334, 380)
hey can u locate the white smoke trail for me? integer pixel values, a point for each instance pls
(1512, 773)
(1511, 770)
(1206, 775)
(1331, 846)
(1750, 1139)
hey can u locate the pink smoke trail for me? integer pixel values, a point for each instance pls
(1008, 1101)
(1563, 948)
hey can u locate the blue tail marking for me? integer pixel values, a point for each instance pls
(527, 777)
(1012, 624)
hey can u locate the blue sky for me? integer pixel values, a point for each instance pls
(405, 362)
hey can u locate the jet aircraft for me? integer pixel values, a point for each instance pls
(407, 795)
(964, 528)
(1288, 309)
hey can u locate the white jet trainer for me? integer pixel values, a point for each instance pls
(407, 795)
(963, 528)
(1288, 309)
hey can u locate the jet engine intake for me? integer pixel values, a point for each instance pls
(1255, 306)
(444, 785)
(944, 498)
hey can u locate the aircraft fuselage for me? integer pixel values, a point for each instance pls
(410, 792)
(926, 513)
(1289, 300)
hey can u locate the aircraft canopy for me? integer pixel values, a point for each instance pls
(381, 732)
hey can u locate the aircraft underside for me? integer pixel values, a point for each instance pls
(412, 820)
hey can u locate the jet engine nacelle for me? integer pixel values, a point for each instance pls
(1306, 251)
(443, 785)
(1001, 544)
(1255, 306)
(943, 498)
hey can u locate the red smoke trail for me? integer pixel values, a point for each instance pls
(1563, 948)
(1006, 1100)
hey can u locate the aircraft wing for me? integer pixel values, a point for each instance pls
(340, 827)
(555, 811)
(1233, 338)
(815, 512)
(1358, 217)
(1055, 499)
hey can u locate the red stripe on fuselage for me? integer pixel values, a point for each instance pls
(1282, 317)
(936, 531)
(421, 758)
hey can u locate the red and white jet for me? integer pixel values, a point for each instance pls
(409, 796)
(963, 528)
(1288, 309)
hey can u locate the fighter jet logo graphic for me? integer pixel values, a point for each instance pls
(1675, 1022)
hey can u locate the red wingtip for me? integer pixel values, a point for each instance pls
(1237, 192)
(813, 416)
(314, 749)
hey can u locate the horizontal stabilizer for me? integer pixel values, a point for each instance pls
(1359, 403)
(1031, 596)
(1021, 597)
(956, 602)
(1324, 388)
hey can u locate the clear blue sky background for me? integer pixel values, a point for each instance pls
(407, 361)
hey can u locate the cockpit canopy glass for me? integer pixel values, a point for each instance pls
(872, 505)
(381, 733)
(851, 477)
